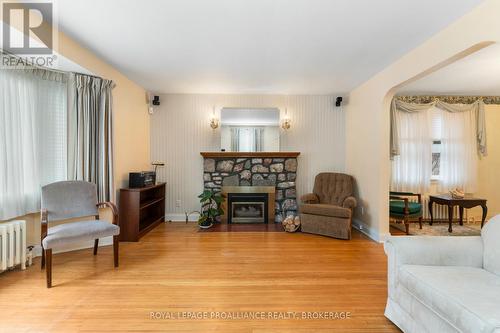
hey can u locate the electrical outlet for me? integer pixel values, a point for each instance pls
(177, 203)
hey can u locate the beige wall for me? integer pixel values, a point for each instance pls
(367, 122)
(130, 120)
(180, 131)
(489, 166)
(130, 116)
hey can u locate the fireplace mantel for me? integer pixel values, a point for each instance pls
(223, 154)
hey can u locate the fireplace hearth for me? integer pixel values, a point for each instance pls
(247, 208)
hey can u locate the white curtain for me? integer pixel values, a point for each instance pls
(463, 139)
(32, 137)
(476, 108)
(411, 169)
(235, 138)
(257, 138)
(246, 139)
(459, 156)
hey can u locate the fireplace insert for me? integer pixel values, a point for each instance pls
(247, 208)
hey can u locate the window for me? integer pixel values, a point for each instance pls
(436, 159)
(436, 121)
(32, 137)
(436, 144)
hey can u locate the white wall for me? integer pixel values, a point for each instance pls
(367, 122)
(180, 131)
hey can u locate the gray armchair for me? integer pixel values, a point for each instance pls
(74, 199)
(328, 210)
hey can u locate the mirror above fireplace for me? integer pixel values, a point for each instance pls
(250, 129)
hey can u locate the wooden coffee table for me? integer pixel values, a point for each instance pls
(448, 200)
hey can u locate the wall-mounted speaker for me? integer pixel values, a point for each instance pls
(152, 100)
(156, 100)
(338, 101)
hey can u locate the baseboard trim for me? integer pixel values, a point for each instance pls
(106, 241)
(366, 230)
(176, 217)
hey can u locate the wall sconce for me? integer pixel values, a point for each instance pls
(214, 122)
(285, 124)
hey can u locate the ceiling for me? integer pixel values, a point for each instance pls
(477, 74)
(254, 46)
(60, 63)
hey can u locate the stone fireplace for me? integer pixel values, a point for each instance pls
(251, 173)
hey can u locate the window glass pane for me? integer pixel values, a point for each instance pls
(436, 158)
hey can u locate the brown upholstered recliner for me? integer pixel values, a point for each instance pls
(328, 210)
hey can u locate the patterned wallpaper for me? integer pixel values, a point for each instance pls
(180, 131)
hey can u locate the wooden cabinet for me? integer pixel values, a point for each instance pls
(141, 210)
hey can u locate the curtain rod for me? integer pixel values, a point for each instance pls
(450, 99)
(27, 63)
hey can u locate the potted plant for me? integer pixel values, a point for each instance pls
(210, 208)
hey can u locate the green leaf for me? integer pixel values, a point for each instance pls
(212, 212)
(205, 194)
(218, 199)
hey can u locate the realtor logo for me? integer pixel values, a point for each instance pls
(35, 22)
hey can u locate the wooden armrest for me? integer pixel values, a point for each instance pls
(407, 194)
(407, 209)
(44, 218)
(113, 208)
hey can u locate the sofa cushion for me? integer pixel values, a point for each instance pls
(81, 231)
(325, 210)
(398, 207)
(467, 297)
(491, 236)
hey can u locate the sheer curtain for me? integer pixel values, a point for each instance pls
(257, 138)
(235, 138)
(32, 137)
(462, 133)
(246, 139)
(411, 169)
(459, 156)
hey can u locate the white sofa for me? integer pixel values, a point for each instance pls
(445, 284)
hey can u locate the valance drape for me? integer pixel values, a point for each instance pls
(477, 108)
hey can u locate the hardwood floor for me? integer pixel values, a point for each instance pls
(175, 268)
